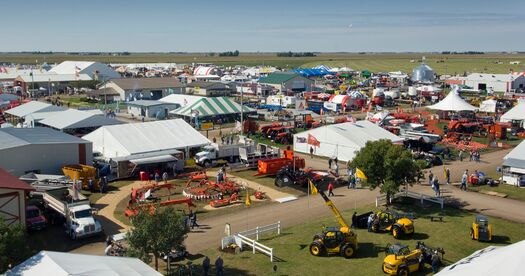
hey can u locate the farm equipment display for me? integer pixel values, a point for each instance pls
(83, 173)
(234, 198)
(273, 165)
(207, 189)
(143, 198)
(481, 229)
(388, 221)
(400, 260)
(287, 176)
(334, 240)
(262, 151)
(151, 207)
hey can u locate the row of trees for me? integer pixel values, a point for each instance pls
(229, 54)
(462, 53)
(292, 54)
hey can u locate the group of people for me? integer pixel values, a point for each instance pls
(102, 185)
(221, 174)
(157, 177)
(335, 166)
(191, 219)
(473, 155)
(219, 266)
(434, 182)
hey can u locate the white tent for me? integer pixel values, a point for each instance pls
(160, 137)
(453, 102)
(33, 107)
(75, 119)
(492, 260)
(515, 113)
(428, 88)
(342, 140)
(488, 106)
(59, 263)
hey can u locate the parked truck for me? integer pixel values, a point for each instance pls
(78, 213)
(210, 154)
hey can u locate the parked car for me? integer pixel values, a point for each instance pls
(35, 220)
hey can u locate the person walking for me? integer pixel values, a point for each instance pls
(460, 155)
(329, 163)
(330, 189)
(464, 181)
(219, 266)
(435, 262)
(220, 176)
(193, 220)
(336, 168)
(354, 220)
(311, 152)
(447, 175)
(430, 177)
(370, 221)
(165, 177)
(436, 187)
(157, 177)
(206, 265)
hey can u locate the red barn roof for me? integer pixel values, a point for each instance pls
(9, 181)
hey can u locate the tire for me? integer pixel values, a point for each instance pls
(402, 271)
(207, 164)
(72, 235)
(317, 237)
(283, 180)
(347, 250)
(397, 232)
(317, 249)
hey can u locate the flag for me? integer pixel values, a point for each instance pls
(359, 173)
(313, 141)
(248, 201)
(312, 188)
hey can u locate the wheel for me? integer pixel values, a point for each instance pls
(317, 249)
(318, 237)
(283, 180)
(207, 164)
(396, 232)
(347, 251)
(402, 271)
(72, 235)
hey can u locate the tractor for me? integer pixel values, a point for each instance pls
(400, 260)
(333, 240)
(398, 225)
(287, 176)
(481, 229)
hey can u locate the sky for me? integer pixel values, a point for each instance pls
(262, 26)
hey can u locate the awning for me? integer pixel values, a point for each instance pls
(517, 170)
(155, 159)
(514, 163)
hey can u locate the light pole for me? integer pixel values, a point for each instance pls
(242, 110)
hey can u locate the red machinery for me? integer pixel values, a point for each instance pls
(234, 198)
(136, 193)
(250, 126)
(207, 189)
(133, 211)
(264, 129)
(272, 166)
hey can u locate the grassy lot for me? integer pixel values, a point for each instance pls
(176, 193)
(291, 247)
(374, 62)
(510, 190)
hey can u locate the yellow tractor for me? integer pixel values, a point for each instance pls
(388, 221)
(400, 260)
(333, 240)
(481, 229)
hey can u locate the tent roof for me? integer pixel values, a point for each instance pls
(181, 99)
(69, 67)
(492, 260)
(279, 77)
(453, 102)
(147, 83)
(312, 72)
(33, 107)
(129, 139)
(515, 113)
(54, 77)
(72, 118)
(518, 153)
(211, 107)
(59, 263)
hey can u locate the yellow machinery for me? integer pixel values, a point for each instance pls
(481, 230)
(334, 240)
(386, 221)
(82, 173)
(400, 260)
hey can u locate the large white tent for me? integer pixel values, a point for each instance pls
(516, 113)
(453, 102)
(342, 140)
(33, 107)
(152, 138)
(59, 263)
(492, 260)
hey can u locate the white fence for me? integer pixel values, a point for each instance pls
(381, 199)
(242, 238)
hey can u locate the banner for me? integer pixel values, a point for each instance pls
(300, 140)
(313, 141)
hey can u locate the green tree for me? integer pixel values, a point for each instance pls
(13, 245)
(386, 166)
(153, 234)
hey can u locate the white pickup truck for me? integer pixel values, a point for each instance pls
(78, 213)
(214, 152)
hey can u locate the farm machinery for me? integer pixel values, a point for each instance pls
(204, 189)
(388, 221)
(287, 176)
(400, 260)
(142, 198)
(481, 229)
(333, 240)
(273, 165)
(83, 173)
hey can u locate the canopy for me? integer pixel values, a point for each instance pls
(488, 106)
(75, 119)
(453, 102)
(58, 264)
(492, 260)
(312, 72)
(428, 88)
(211, 107)
(515, 113)
(341, 140)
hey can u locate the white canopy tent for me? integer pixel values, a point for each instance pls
(342, 140)
(488, 106)
(453, 102)
(492, 260)
(515, 113)
(59, 263)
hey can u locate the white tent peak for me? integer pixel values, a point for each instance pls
(453, 102)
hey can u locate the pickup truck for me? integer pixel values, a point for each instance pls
(34, 218)
(214, 152)
(78, 213)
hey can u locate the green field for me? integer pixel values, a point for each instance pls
(374, 62)
(293, 257)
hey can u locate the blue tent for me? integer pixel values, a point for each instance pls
(311, 72)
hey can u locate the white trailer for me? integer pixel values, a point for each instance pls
(251, 158)
(77, 212)
(210, 154)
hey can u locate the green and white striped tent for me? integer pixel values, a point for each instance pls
(211, 107)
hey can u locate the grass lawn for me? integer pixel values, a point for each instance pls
(292, 246)
(176, 193)
(510, 190)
